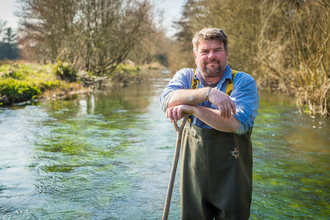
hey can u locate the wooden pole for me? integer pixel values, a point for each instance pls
(179, 131)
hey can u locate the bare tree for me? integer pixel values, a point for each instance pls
(293, 51)
(95, 35)
(283, 44)
(150, 49)
(239, 19)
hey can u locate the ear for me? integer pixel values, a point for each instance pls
(195, 55)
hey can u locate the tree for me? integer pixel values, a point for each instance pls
(284, 44)
(8, 45)
(150, 49)
(294, 50)
(2, 25)
(95, 35)
(239, 19)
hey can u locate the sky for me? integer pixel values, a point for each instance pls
(7, 8)
(172, 12)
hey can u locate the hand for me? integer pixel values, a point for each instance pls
(225, 104)
(177, 112)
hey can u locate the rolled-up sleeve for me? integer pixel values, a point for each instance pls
(246, 99)
(181, 80)
(244, 95)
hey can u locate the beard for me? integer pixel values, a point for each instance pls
(212, 72)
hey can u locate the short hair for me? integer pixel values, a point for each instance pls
(210, 34)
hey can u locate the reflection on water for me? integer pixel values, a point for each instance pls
(108, 156)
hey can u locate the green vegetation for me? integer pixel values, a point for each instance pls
(26, 82)
(18, 91)
(124, 68)
(65, 71)
(125, 74)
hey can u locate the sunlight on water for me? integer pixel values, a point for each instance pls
(109, 155)
(291, 163)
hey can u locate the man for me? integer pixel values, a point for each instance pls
(216, 155)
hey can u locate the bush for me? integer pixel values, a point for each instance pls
(17, 91)
(65, 71)
(124, 68)
(49, 85)
(14, 75)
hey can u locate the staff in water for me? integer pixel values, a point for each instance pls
(216, 155)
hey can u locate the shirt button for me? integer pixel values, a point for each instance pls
(250, 116)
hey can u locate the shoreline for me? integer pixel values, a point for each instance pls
(28, 83)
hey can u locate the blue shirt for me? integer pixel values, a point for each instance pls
(244, 95)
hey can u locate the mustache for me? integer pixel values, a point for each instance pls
(210, 61)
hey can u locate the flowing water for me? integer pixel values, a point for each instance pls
(108, 155)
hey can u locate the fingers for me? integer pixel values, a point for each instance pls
(225, 104)
(225, 111)
(169, 114)
(177, 114)
(174, 113)
(226, 108)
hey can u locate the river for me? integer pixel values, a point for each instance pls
(108, 155)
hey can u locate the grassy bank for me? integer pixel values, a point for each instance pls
(28, 82)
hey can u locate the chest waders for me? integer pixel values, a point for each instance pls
(215, 173)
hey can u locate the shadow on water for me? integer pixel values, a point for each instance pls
(108, 156)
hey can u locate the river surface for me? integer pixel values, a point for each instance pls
(108, 155)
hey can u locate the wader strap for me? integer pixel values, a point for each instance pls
(229, 87)
(194, 82)
(194, 85)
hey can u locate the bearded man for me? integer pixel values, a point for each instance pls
(216, 155)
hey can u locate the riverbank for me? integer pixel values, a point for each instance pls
(22, 82)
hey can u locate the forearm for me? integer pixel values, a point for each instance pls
(188, 97)
(212, 118)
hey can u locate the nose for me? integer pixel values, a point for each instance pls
(211, 54)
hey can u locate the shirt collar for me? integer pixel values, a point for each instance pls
(227, 74)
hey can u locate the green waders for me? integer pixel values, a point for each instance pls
(216, 174)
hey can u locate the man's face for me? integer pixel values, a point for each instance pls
(211, 58)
